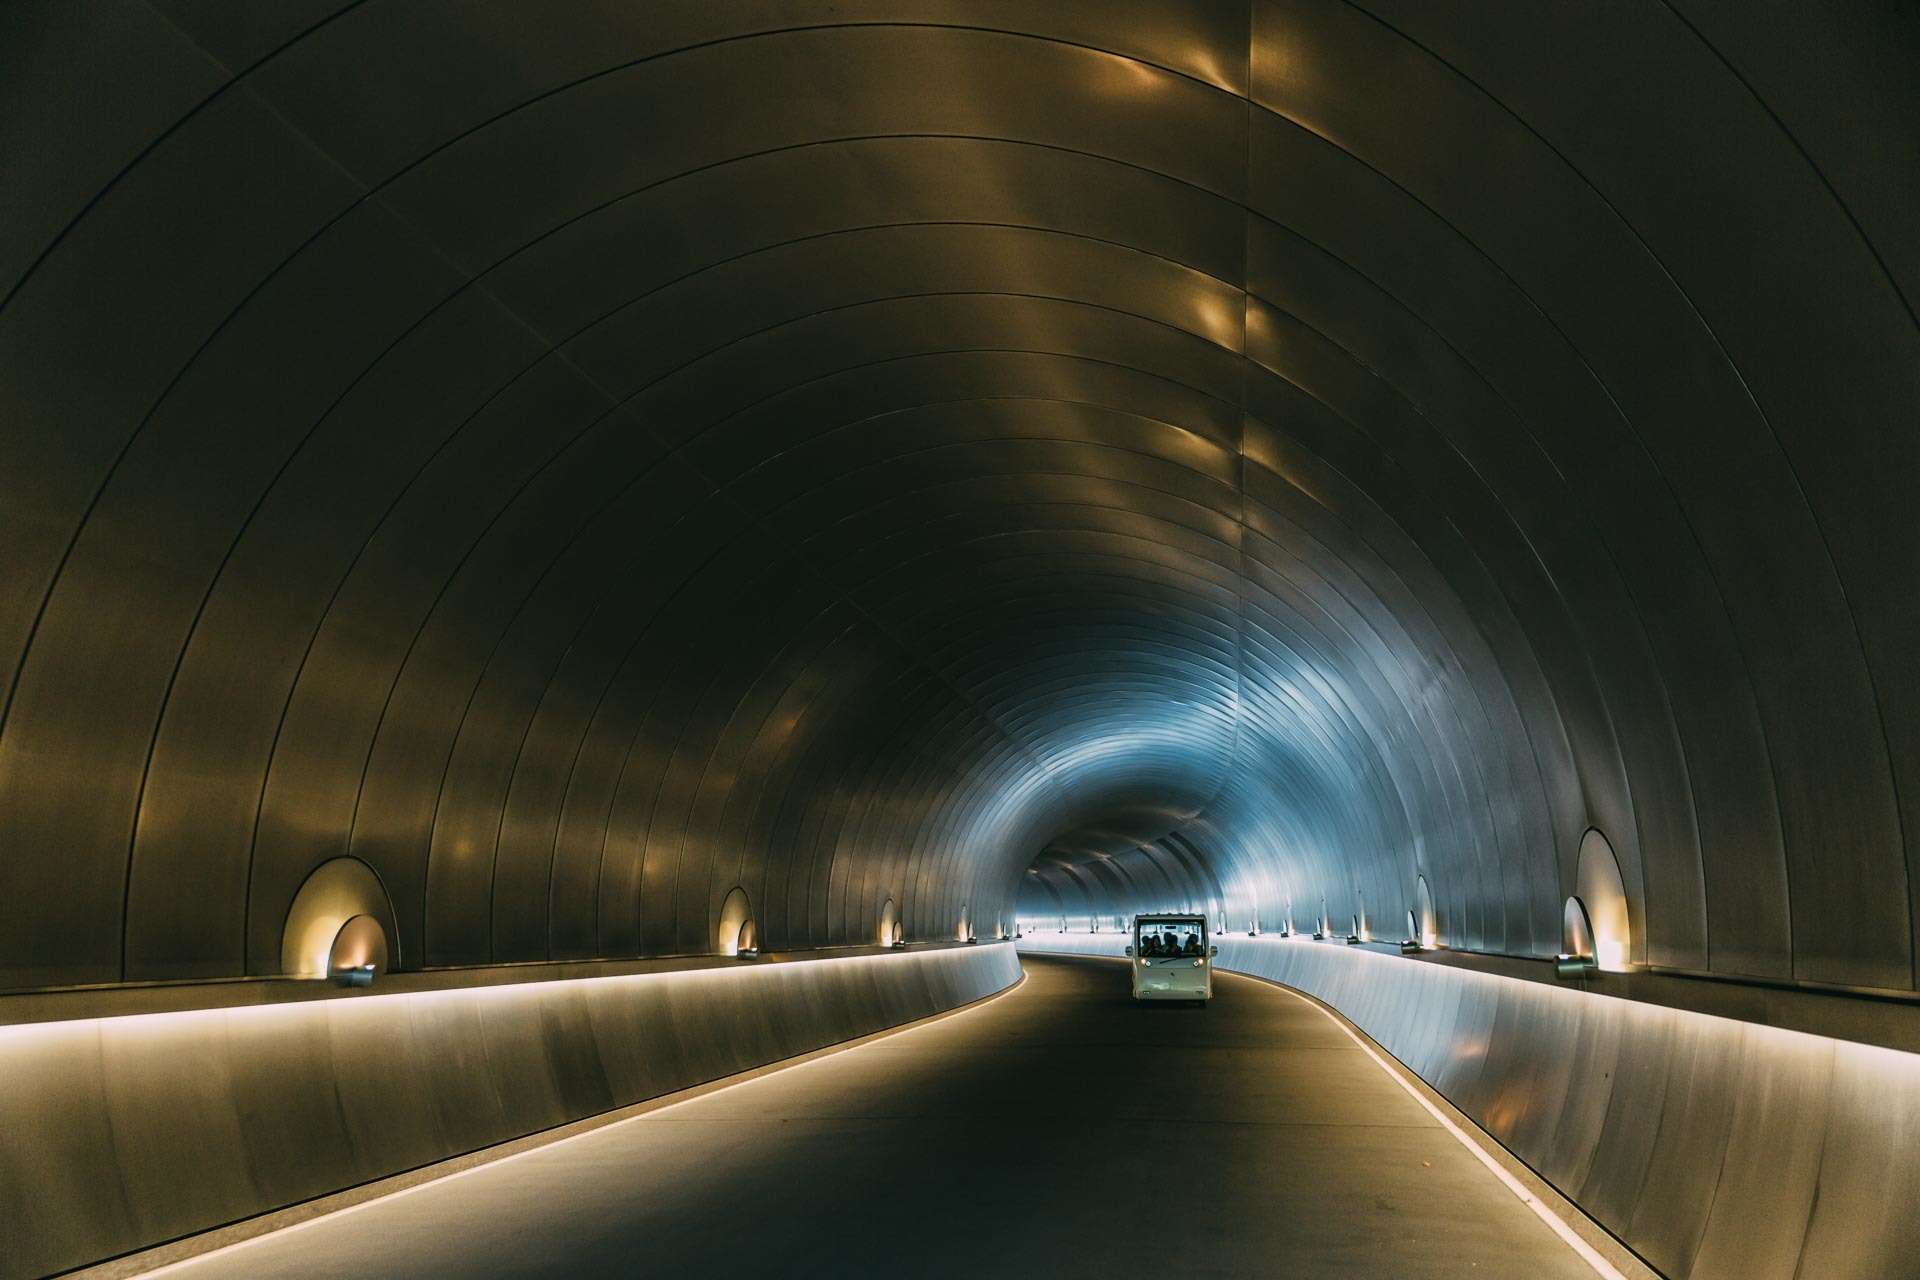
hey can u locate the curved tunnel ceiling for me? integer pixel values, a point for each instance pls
(580, 460)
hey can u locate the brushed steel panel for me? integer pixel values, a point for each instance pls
(1792, 219)
(135, 1130)
(77, 140)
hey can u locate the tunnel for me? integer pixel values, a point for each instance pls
(611, 611)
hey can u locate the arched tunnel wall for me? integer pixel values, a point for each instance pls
(1242, 456)
(574, 488)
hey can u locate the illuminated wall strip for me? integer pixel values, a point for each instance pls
(586, 1129)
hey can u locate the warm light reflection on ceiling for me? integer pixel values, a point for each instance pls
(1198, 61)
(1116, 75)
(1217, 317)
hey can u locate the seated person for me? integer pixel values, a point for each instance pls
(1193, 944)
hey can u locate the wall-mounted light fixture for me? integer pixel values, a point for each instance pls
(1569, 968)
(1576, 960)
(340, 920)
(1411, 943)
(735, 934)
(358, 954)
(359, 975)
(1598, 885)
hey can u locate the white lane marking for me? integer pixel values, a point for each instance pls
(1542, 1210)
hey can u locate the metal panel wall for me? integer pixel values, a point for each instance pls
(127, 1131)
(1242, 453)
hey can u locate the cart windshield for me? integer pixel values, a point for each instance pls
(1166, 939)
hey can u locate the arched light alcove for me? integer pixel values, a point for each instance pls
(889, 926)
(1576, 941)
(1576, 930)
(1598, 886)
(359, 952)
(336, 892)
(1427, 930)
(735, 932)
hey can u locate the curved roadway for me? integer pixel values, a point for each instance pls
(1057, 1130)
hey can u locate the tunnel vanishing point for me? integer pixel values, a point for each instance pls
(580, 572)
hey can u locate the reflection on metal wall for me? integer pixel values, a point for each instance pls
(1244, 453)
(1710, 1147)
(124, 1132)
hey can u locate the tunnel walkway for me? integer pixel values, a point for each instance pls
(1060, 1129)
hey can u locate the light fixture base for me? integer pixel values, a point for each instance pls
(1571, 968)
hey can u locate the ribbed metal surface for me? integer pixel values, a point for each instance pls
(124, 1132)
(582, 461)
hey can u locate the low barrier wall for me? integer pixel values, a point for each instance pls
(119, 1133)
(1712, 1148)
